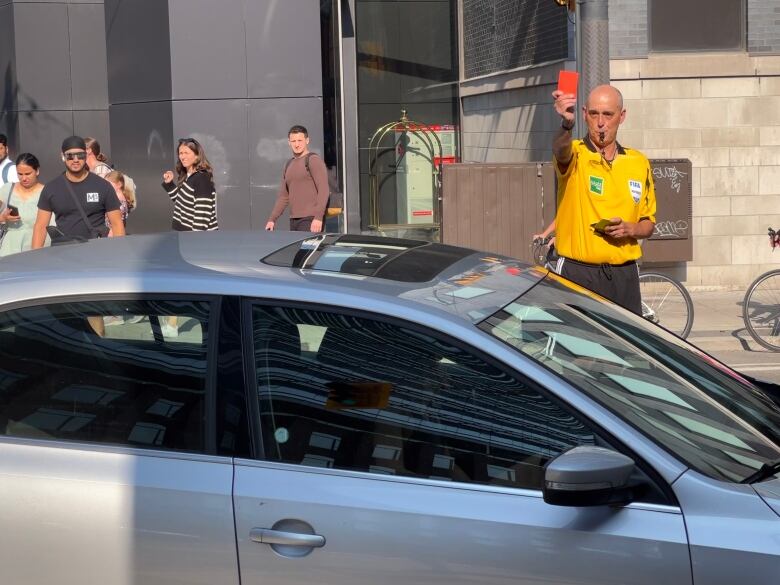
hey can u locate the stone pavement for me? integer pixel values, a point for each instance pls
(719, 330)
(717, 321)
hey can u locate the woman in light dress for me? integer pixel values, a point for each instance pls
(24, 197)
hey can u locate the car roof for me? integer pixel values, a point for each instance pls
(458, 281)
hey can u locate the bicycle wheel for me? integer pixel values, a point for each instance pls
(666, 302)
(761, 310)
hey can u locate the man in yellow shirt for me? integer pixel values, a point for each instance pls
(606, 199)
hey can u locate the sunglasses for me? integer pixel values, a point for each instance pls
(76, 155)
(187, 141)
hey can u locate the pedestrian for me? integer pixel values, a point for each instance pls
(606, 199)
(96, 160)
(7, 167)
(304, 186)
(193, 195)
(98, 164)
(124, 193)
(19, 203)
(79, 201)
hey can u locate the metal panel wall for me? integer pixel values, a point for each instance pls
(42, 68)
(86, 26)
(497, 207)
(139, 51)
(8, 118)
(283, 48)
(208, 49)
(41, 133)
(269, 121)
(143, 147)
(54, 74)
(223, 81)
(221, 127)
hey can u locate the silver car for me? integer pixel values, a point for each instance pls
(277, 409)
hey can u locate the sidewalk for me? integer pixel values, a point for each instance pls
(717, 321)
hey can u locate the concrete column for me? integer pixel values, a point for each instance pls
(593, 60)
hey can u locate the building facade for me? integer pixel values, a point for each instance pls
(701, 80)
(234, 74)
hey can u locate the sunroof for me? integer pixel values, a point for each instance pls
(389, 258)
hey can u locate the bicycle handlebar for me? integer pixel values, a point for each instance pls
(774, 238)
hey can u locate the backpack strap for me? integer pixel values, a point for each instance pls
(306, 164)
(7, 169)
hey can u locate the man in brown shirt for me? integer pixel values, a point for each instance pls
(304, 186)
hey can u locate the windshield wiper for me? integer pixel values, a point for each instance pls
(766, 471)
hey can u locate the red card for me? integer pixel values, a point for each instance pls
(567, 81)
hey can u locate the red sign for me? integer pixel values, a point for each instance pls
(423, 212)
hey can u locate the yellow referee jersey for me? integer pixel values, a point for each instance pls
(592, 189)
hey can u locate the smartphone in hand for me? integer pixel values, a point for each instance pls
(601, 225)
(13, 211)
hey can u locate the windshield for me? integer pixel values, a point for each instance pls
(697, 409)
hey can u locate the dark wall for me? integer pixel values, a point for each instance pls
(234, 74)
(8, 115)
(53, 60)
(506, 34)
(407, 58)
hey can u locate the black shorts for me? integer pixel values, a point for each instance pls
(617, 282)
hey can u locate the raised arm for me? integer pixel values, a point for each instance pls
(565, 104)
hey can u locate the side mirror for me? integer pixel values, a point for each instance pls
(588, 476)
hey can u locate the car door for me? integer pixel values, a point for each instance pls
(108, 473)
(393, 455)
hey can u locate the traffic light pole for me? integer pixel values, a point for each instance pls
(592, 41)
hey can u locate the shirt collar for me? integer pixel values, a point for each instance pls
(591, 147)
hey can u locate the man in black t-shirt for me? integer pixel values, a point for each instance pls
(75, 188)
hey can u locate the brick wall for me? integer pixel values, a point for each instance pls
(715, 111)
(627, 28)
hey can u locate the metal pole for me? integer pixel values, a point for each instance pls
(593, 24)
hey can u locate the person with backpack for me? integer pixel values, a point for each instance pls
(7, 167)
(304, 187)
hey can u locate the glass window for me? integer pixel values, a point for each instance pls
(698, 410)
(353, 393)
(715, 25)
(407, 59)
(123, 373)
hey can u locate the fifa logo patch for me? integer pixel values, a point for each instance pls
(597, 185)
(636, 190)
(93, 197)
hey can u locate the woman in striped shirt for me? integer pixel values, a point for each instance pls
(193, 195)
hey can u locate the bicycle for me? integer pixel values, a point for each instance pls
(665, 301)
(761, 307)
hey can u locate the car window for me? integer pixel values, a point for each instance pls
(720, 426)
(354, 393)
(67, 372)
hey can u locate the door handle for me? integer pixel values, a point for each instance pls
(268, 536)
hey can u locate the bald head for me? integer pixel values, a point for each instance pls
(603, 114)
(606, 94)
